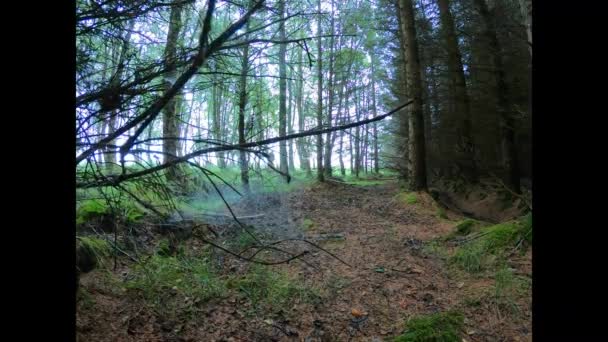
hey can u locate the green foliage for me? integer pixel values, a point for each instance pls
(89, 209)
(508, 287)
(98, 248)
(308, 224)
(167, 281)
(470, 258)
(96, 207)
(435, 247)
(439, 327)
(464, 227)
(273, 291)
(441, 213)
(488, 249)
(244, 240)
(408, 197)
(164, 248)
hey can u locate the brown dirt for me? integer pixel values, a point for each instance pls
(390, 279)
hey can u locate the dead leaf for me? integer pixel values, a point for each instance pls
(358, 313)
(403, 303)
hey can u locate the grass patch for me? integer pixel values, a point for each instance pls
(488, 249)
(96, 249)
(439, 327)
(307, 224)
(435, 248)
(441, 213)
(272, 291)
(174, 284)
(508, 288)
(408, 197)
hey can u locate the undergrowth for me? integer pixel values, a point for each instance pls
(489, 247)
(272, 291)
(438, 327)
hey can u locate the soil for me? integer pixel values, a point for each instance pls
(389, 277)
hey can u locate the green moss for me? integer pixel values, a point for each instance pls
(439, 327)
(97, 248)
(408, 197)
(488, 249)
(308, 224)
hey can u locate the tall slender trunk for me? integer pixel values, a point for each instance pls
(110, 155)
(282, 94)
(327, 168)
(357, 141)
(507, 124)
(170, 111)
(241, 122)
(290, 117)
(459, 97)
(320, 176)
(301, 143)
(375, 113)
(416, 120)
(217, 124)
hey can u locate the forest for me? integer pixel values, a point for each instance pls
(315, 170)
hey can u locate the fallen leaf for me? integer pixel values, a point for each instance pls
(460, 285)
(403, 303)
(358, 313)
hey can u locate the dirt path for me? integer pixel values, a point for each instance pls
(390, 278)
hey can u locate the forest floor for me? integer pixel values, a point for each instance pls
(398, 268)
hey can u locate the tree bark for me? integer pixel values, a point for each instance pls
(320, 176)
(375, 113)
(327, 168)
(282, 95)
(301, 143)
(170, 110)
(507, 123)
(243, 163)
(418, 180)
(465, 156)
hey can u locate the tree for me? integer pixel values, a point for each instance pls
(170, 114)
(282, 94)
(459, 98)
(320, 175)
(241, 119)
(417, 162)
(507, 123)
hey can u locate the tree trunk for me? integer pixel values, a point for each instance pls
(375, 113)
(216, 95)
(416, 121)
(170, 132)
(290, 116)
(507, 124)
(109, 154)
(320, 177)
(241, 122)
(327, 168)
(282, 94)
(301, 142)
(465, 156)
